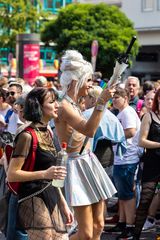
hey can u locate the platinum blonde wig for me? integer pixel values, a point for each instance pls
(74, 67)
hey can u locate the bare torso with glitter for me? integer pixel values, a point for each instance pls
(66, 132)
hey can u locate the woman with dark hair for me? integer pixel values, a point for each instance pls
(148, 101)
(149, 139)
(42, 207)
(147, 86)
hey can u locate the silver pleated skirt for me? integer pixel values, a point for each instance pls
(86, 182)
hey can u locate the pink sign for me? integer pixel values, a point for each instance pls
(94, 48)
(31, 55)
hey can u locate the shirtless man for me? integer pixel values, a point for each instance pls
(87, 184)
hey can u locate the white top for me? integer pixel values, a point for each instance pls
(129, 119)
(12, 125)
(3, 121)
(4, 112)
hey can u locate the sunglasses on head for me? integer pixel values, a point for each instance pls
(10, 93)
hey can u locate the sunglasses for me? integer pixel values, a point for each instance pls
(10, 94)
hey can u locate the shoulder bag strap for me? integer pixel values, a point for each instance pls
(30, 161)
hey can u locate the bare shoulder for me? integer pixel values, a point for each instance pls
(65, 105)
(146, 122)
(63, 108)
(66, 110)
(147, 118)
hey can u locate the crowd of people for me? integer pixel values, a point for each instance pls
(113, 149)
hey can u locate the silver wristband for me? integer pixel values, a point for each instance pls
(100, 107)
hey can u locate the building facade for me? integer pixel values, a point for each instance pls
(110, 2)
(145, 14)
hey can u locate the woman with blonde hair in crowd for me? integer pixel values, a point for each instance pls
(148, 101)
(87, 184)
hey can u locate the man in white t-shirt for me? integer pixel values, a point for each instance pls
(12, 118)
(125, 166)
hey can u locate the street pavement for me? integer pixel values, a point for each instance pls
(148, 235)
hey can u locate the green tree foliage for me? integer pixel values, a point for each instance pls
(18, 16)
(78, 25)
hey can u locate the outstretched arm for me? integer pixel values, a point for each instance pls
(144, 130)
(88, 128)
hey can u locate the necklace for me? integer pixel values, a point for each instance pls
(45, 141)
(74, 104)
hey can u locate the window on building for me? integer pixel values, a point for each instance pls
(147, 57)
(47, 54)
(42, 55)
(58, 4)
(68, 2)
(49, 4)
(4, 55)
(54, 5)
(147, 5)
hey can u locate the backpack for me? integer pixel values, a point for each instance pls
(29, 164)
(104, 152)
(139, 106)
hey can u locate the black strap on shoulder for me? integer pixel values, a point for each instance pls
(151, 116)
(56, 140)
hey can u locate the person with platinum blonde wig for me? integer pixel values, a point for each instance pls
(74, 67)
(87, 184)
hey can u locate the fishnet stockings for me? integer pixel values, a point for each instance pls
(46, 234)
(147, 193)
(39, 224)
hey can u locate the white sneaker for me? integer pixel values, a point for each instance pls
(148, 225)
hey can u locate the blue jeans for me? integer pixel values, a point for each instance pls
(123, 176)
(12, 233)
